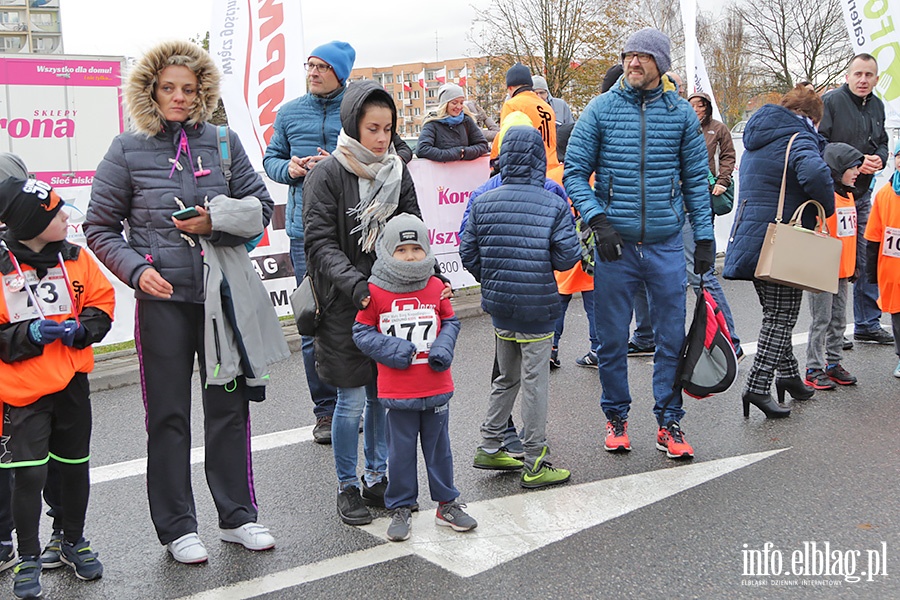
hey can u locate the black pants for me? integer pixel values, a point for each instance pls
(168, 335)
(51, 497)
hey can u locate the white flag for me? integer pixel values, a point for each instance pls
(697, 77)
(872, 29)
(258, 46)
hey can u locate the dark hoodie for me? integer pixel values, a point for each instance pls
(839, 157)
(334, 259)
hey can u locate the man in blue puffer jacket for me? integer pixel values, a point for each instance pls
(645, 145)
(306, 131)
(514, 239)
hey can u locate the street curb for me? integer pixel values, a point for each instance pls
(118, 369)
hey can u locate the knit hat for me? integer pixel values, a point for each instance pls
(518, 74)
(448, 92)
(340, 55)
(539, 83)
(403, 229)
(27, 206)
(653, 42)
(11, 165)
(611, 77)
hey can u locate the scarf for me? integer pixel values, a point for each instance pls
(379, 186)
(895, 182)
(401, 276)
(40, 261)
(453, 120)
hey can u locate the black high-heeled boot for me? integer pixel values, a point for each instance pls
(765, 403)
(793, 386)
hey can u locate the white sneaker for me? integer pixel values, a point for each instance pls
(897, 370)
(251, 536)
(188, 549)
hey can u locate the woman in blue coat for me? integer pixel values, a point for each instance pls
(765, 141)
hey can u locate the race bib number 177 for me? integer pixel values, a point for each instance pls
(418, 326)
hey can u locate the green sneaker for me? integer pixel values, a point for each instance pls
(543, 474)
(498, 461)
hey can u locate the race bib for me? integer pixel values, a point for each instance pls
(846, 221)
(891, 241)
(418, 326)
(50, 292)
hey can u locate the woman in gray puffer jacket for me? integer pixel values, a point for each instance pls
(169, 162)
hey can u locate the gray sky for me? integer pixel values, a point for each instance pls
(115, 28)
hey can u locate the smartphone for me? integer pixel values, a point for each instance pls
(186, 213)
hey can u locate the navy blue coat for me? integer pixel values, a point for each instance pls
(516, 236)
(808, 177)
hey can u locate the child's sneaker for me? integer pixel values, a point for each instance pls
(401, 522)
(81, 558)
(50, 556)
(27, 582)
(588, 360)
(670, 439)
(839, 375)
(816, 378)
(451, 514)
(8, 556)
(542, 474)
(498, 461)
(554, 359)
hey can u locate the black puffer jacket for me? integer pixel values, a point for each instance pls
(339, 267)
(446, 143)
(136, 182)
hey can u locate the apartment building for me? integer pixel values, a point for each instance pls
(414, 86)
(30, 26)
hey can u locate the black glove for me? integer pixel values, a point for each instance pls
(609, 242)
(45, 331)
(704, 256)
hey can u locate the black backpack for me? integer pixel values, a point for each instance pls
(707, 364)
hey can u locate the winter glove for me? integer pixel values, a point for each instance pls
(608, 240)
(44, 331)
(704, 256)
(75, 332)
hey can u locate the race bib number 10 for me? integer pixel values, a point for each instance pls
(50, 292)
(891, 242)
(418, 326)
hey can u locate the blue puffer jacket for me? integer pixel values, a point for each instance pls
(516, 236)
(650, 161)
(302, 126)
(765, 140)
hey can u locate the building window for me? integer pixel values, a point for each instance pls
(9, 17)
(415, 95)
(418, 111)
(400, 95)
(430, 94)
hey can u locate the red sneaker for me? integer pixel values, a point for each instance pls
(617, 436)
(670, 439)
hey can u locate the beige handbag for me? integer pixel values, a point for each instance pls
(808, 259)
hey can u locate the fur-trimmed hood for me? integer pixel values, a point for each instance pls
(146, 116)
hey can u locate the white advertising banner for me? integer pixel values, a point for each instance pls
(259, 48)
(443, 190)
(872, 25)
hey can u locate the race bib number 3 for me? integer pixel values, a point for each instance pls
(889, 247)
(50, 292)
(846, 221)
(418, 326)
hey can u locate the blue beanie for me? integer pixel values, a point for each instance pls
(653, 42)
(340, 55)
(518, 74)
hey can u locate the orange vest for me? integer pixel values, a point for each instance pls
(26, 381)
(846, 209)
(541, 115)
(575, 279)
(886, 213)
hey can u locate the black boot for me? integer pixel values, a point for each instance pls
(794, 386)
(765, 403)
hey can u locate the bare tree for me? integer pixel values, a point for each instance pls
(793, 40)
(570, 42)
(733, 80)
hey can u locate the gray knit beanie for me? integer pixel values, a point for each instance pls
(518, 74)
(403, 229)
(539, 83)
(653, 42)
(448, 92)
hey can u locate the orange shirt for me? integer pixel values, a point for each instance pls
(842, 226)
(884, 227)
(26, 381)
(575, 279)
(541, 115)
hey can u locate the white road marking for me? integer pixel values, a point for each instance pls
(258, 443)
(509, 527)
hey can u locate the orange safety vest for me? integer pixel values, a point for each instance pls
(846, 209)
(541, 115)
(575, 279)
(886, 213)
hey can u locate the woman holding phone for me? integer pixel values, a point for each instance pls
(158, 177)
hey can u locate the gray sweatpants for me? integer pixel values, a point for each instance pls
(523, 360)
(826, 330)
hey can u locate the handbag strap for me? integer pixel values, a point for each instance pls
(787, 152)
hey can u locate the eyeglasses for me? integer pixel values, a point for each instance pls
(318, 67)
(642, 57)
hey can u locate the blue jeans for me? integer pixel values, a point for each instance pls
(661, 268)
(866, 314)
(587, 299)
(345, 434)
(323, 395)
(643, 326)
